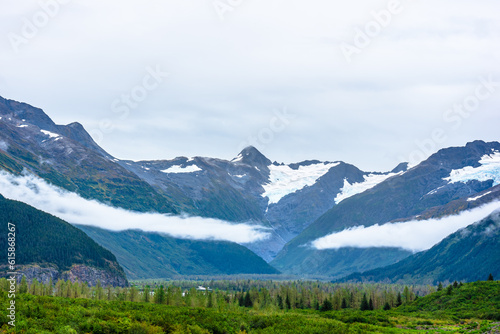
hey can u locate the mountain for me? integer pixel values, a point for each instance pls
(448, 175)
(151, 255)
(66, 156)
(468, 255)
(250, 188)
(298, 202)
(49, 248)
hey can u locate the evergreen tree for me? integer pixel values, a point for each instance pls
(146, 294)
(133, 294)
(159, 295)
(399, 300)
(23, 288)
(248, 300)
(364, 304)
(449, 289)
(316, 304)
(327, 305)
(387, 307)
(210, 303)
(370, 304)
(99, 291)
(287, 302)
(407, 295)
(490, 277)
(440, 286)
(344, 303)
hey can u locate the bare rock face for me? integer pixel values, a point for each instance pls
(91, 275)
(81, 273)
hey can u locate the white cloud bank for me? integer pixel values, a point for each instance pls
(413, 235)
(77, 210)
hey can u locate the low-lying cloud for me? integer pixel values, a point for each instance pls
(416, 235)
(77, 210)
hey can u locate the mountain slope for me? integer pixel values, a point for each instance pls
(467, 255)
(66, 156)
(479, 300)
(402, 196)
(47, 247)
(151, 255)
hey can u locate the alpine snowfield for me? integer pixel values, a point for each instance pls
(180, 169)
(371, 181)
(285, 180)
(489, 170)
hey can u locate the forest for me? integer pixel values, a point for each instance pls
(252, 306)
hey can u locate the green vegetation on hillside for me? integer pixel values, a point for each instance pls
(43, 239)
(151, 255)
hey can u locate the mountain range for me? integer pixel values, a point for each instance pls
(296, 204)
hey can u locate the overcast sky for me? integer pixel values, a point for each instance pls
(347, 83)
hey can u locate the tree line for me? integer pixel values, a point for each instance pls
(226, 295)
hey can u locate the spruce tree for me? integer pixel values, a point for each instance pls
(490, 277)
(327, 305)
(160, 295)
(23, 288)
(248, 300)
(364, 304)
(370, 304)
(399, 300)
(344, 303)
(387, 307)
(146, 294)
(280, 302)
(288, 304)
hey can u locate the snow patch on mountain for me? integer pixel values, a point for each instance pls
(472, 199)
(4, 146)
(180, 169)
(238, 158)
(284, 180)
(50, 134)
(489, 170)
(371, 180)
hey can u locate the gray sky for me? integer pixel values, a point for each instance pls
(372, 83)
